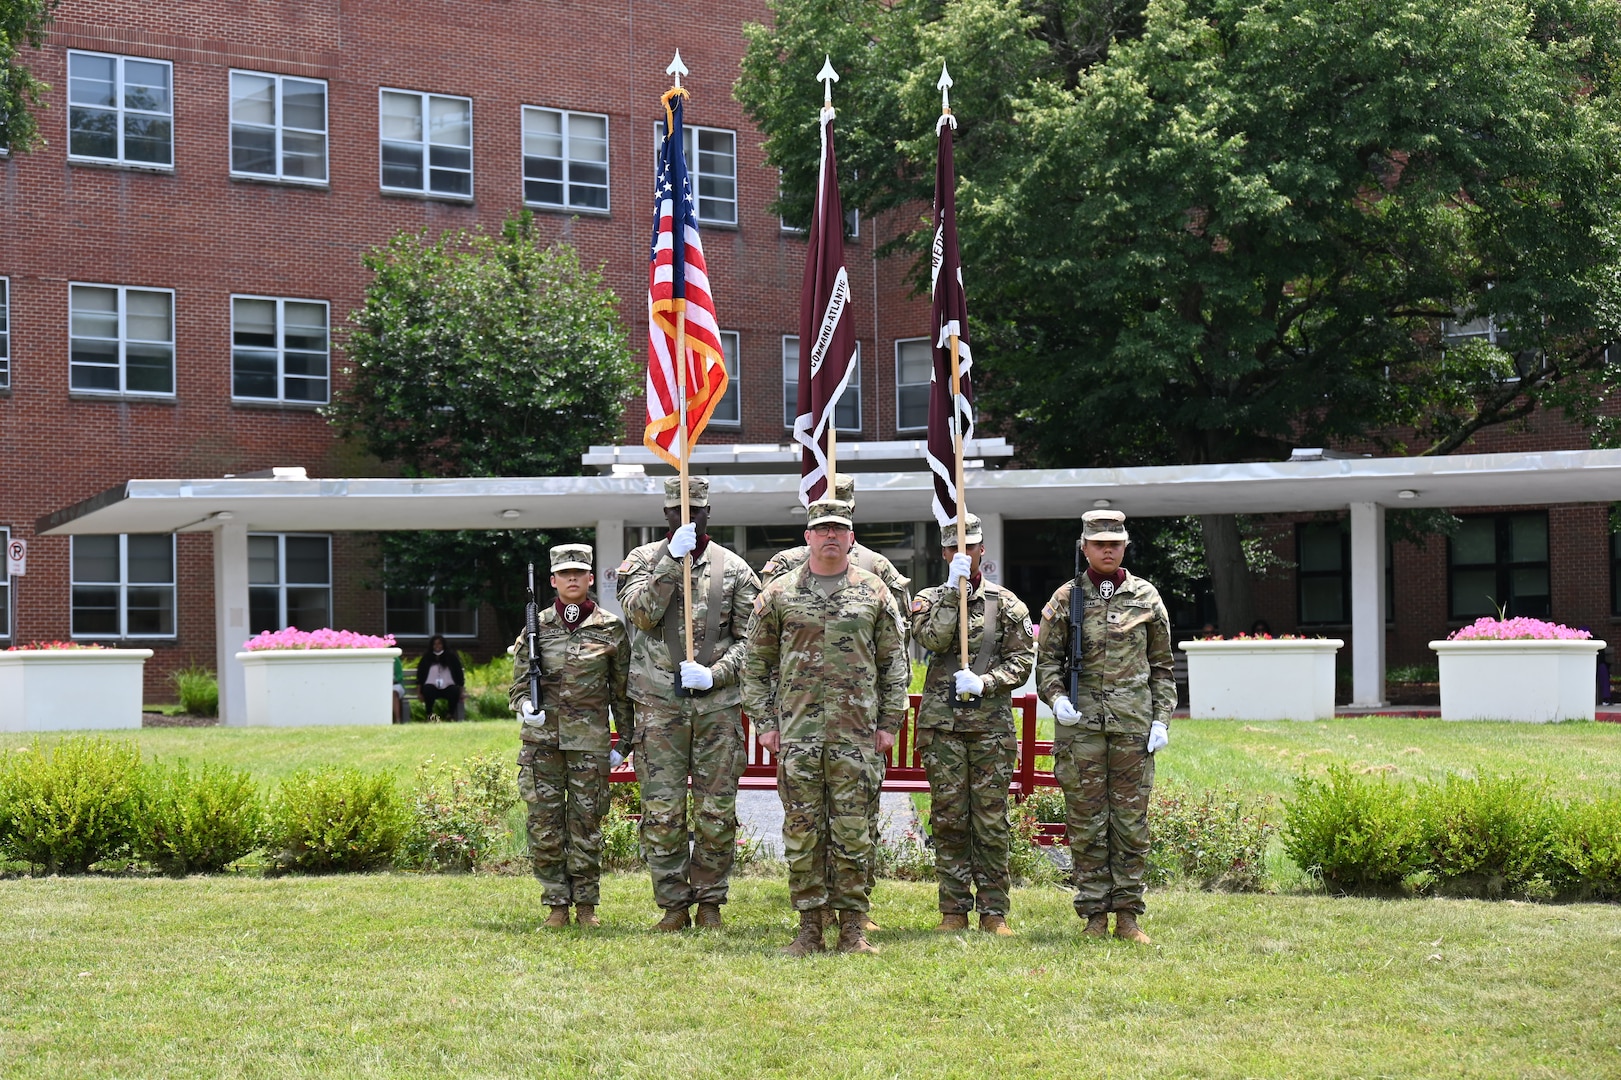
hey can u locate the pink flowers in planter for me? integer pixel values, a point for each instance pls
(325, 638)
(1519, 629)
(48, 646)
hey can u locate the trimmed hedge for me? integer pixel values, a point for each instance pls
(196, 822)
(64, 809)
(332, 819)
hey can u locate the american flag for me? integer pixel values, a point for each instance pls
(827, 337)
(679, 282)
(948, 315)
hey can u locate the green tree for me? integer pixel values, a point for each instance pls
(22, 24)
(1225, 227)
(476, 355)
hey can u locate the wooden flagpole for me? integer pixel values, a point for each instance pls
(956, 426)
(684, 451)
(828, 77)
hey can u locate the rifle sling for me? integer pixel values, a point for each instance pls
(990, 636)
(710, 633)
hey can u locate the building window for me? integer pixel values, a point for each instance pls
(123, 586)
(914, 367)
(289, 581)
(1499, 562)
(279, 349)
(412, 613)
(565, 159)
(730, 409)
(278, 127)
(5, 592)
(120, 109)
(5, 333)
(1323, 550)
(120, 340)
(1615, 573)
(426, 143)
(711, 155)
(846, 414)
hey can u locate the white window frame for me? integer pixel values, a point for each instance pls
(899, 385)
(6, 614)
(431, 616)
(566, 118)
(5, 333)
(119, 109)
(281, 303)
(845, 402)
(280, 128)
(732, 348)
(124, 585)
(123, 341)
(424, 98)
(282, 584)
(696, 174)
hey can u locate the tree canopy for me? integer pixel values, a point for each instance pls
(22, 25)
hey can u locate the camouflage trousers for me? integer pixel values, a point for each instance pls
(567, 793)
(672, 744)
(969, 774)
(828, 804)
(1106, 779)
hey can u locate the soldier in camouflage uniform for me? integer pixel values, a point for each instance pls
(1105, 740)
(825, 678)
(969, 752)
(900, 587)
(565, 757)
(698, 732)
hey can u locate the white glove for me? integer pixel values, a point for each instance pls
(969, 683)
(1158, 736)
(962, 565)
(694, 676)
(684, 540)
(1064, 712)
(615, 759)
(528, 714)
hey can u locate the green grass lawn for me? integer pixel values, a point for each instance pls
(396, 975)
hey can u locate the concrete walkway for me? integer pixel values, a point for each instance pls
(760, 813)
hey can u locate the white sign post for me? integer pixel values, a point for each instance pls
(16, 558)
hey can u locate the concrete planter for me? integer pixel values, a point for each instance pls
(312, 687)
(1262, 679)
(65, 689)
(1534, 680)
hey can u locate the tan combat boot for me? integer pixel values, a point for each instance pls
(558, 918)
(809, 938)
(586, 915)
(950, 924)
(1097, 925)
(995, 924)
(675, 920)
(1126, 929)
(708, 917)
(853, 939)
(867, 925)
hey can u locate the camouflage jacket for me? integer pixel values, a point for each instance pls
(1126, 678)
(582, 675)
(826, 669)
(650, 592)
(934, 626)
(865, 557)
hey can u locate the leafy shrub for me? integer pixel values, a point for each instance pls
(1214, 840)
(1587, 849)
(486, 689)
(335, 819)
(458, 814)
(907, 859)
(62, 810)
(1028, 862)
(199, 690)
(621, 842)
(1355, 834)
(1490, 837)
(197, 822)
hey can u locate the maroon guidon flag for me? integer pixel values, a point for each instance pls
(948, 316)
(827, 340)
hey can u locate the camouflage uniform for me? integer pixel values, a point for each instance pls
(700, 736)
(563, 763)
(1102, 762)
(827, 672)
(969, 754)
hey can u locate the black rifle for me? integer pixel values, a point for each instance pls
(531, 629)
(1077, 597)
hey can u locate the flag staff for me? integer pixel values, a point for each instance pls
(945, 85)
(683, 450)
(827, 77)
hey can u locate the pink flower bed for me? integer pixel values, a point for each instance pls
(51, 645)
(325, 638)
(1520, 629)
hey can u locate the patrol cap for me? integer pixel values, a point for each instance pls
(571, 557)
(1103, 525)
(831, 512)
(975, 534)
(697, 491)
(844, 488)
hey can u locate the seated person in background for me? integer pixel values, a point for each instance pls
(440, 678)
(1261, 628)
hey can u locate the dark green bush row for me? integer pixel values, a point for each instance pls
(1491, 837)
